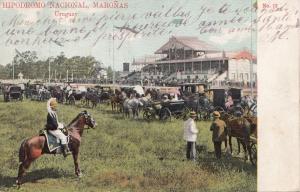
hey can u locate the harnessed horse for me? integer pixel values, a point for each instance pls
(132, 105)
(240, 128)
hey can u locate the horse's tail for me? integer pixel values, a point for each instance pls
(22, 151)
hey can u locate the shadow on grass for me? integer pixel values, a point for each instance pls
(208, 161)
(34, 176)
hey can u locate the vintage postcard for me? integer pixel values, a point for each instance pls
(135, 95)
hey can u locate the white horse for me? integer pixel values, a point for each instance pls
(132, 106)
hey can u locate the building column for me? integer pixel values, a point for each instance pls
(192, 67)
(210, 66)
(201, 67)
(192, 62)
(183, 59)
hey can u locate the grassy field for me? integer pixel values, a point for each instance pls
(120, 155)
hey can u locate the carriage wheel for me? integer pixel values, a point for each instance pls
(165, 114)
(253, 156)
(147, 115)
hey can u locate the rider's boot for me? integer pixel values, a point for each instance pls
(65, 150)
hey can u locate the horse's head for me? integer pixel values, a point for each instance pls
(226, 116)
(89, 120)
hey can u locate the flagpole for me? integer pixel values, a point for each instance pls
(13, 70)
(49, 70)
(113, 52)
(251, 62)
(49, 63)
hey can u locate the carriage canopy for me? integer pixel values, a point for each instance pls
(193, 87)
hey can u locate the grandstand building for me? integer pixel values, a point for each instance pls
(188, 59)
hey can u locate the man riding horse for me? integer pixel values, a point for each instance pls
(54, 127)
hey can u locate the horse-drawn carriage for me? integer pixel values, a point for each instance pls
(12, 93)
(37, 92)
(225, 99)
(166, 110)
(57, 92)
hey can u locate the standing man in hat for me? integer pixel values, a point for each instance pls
(190, 136)
(218, 128)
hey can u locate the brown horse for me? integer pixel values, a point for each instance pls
(32, 148)
(253, 129)
(240, 128)
(116, 101)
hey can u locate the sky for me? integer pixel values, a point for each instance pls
(106, 50)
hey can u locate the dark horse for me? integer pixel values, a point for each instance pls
(91, 96)
(32, 148)
(240, 128)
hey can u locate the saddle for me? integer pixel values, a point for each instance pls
(52, 143)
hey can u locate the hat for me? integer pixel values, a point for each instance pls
(165, 96)
(216, 114)
(193, 114)
(53, 102)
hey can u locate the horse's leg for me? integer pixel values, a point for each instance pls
(22, 169)
(239, 145)
(244, 144)
(230, 144)
(134, 113)
(119, 107)
(248, 147)
(137, 113)
(76, 164)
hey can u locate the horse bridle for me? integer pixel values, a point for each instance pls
(86, 117)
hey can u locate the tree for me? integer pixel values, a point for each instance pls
(28, 63)
(4, 71)
(23, 62)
